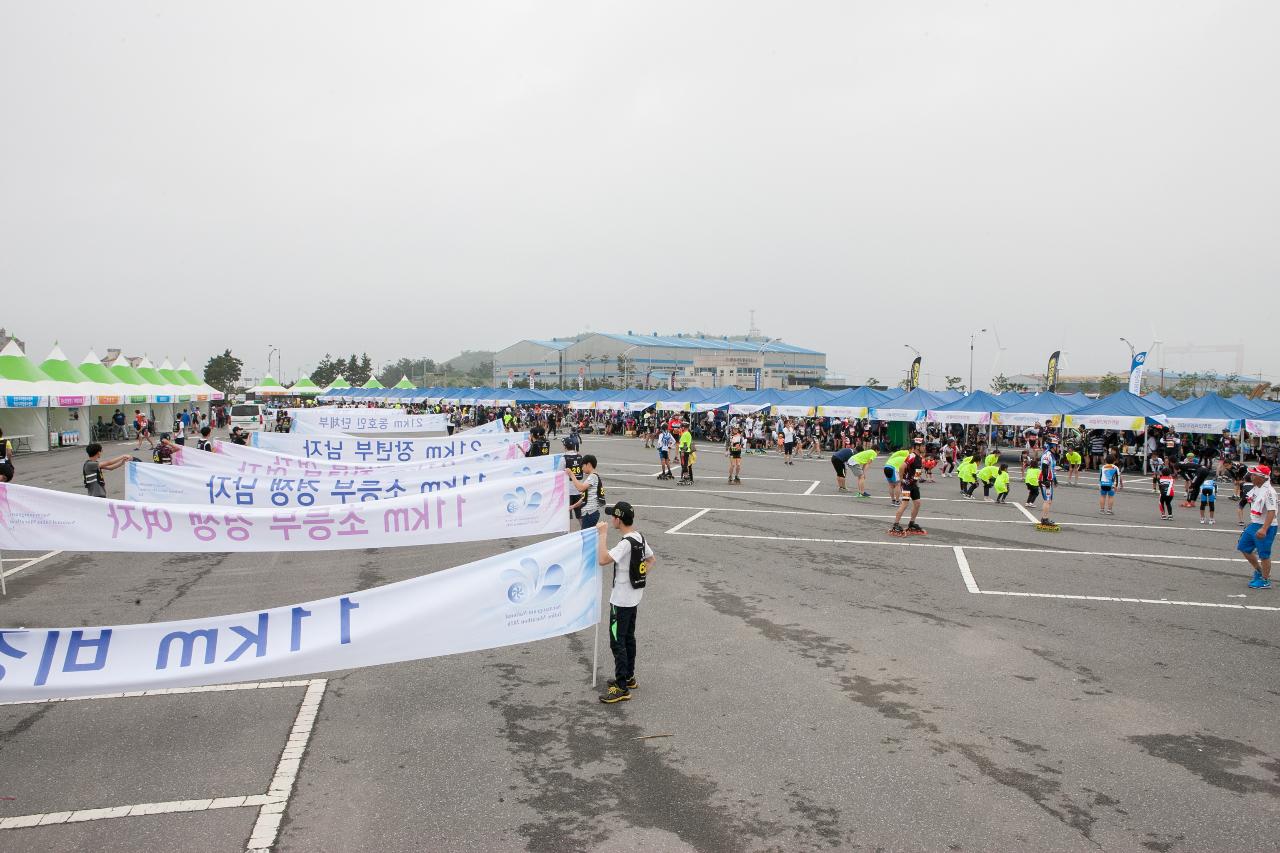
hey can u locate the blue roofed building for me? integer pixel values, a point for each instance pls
(680, 360)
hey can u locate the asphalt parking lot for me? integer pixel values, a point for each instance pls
(806, 682)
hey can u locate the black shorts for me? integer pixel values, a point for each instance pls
(789, 446)
(735, 454)
(912, 490)
(662, 454)
(6, 470)
(838, 465)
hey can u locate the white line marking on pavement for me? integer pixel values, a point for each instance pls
(1022, 509)
(267, 826)
(609, 465)
(697, 515)
(684, 490)
(815, 485)
(930, 518)
(29, 562)
(1126, 600)
(271, 805)
(969, 582)
(900, 544)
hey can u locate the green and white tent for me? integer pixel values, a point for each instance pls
(405, 383)
(304, 387)
(268, 387)
(339, 382)
(373, 383)
(93, 368)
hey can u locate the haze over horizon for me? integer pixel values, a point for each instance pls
(414, 180)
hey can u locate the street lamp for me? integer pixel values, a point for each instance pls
(1132, 349)
(623, 359)
(760, 354)
(972, 337)
(273, 351)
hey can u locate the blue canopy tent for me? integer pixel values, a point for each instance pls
(1208, 414)
(801, 404)
(1120, 410)
(1258, 407)
(854, 403)
(1160, 400)
(976, 408)
(757, 401)
(1036, 409)
(911, 406)
(950, 395)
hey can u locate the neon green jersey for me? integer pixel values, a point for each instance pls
(686, 440)
(1033, 476)
(864, 457)
(992, 460)
(966, 471)
(988, 473)
(896, 458)
(1073, 458)
(1002, 482)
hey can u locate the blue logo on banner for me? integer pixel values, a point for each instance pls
(531, 584)
(521, 500)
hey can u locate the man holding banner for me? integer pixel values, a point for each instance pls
(631, 560)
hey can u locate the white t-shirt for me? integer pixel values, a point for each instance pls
(593, 490)
(788, 435)
(624, 594)
(1261, 500)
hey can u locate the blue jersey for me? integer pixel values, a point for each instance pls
(1048, 468)
(1107, 476)
(1209, 489)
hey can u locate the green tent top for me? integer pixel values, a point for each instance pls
(373, 383)
(126, 374)
(190, 376)
(94, 370)
(171, 376)
(149, 374)
(16, 367)
(405, 383)
(58, 368)
(305, 387)
(340, 382)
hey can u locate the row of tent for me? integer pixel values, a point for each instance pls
(304, 387)
(1122, 410)
(57, 383)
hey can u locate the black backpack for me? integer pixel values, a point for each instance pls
(638, 568)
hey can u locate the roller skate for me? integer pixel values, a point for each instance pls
(914, 529)
(1047, 526)
(897, 530)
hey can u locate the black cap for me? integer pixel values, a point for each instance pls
(621, 511)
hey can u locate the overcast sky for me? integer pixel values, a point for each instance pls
(418, 178)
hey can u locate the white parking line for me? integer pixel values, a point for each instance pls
(271, 805)
(697, 515)
(815, 485)
(970, 584)
(1022, 509)
(1118, 526)
(898, 543)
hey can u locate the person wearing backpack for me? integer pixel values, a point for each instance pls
(592, 489)
(631, 559)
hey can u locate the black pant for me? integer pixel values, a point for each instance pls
(589, 519)
(622, 640)
(1166, 504)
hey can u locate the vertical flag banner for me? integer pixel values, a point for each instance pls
(1135, 373)
(511, 379)
(759, 373)
(531, 382)
(915, 373)
(582, 378)
(534, 593)
(1051, 372)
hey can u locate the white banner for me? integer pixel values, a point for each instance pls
(1024, 419)
(1107, 422)
(251, 460)
(330, 419)
(1262, 427)
(171, 484)
(1201, 426)
(34, 519)
(792, 411)
(534, 593)
(945, 417)
(838, 411)
(386, 451)
(484, 429)
(887, 414)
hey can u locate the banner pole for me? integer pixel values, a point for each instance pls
(4, 589)
(595, 654)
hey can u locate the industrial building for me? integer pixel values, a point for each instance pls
(679, 361)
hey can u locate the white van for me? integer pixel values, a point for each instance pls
(249, 416)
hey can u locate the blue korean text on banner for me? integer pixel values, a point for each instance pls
(544, 590)
(390, 451)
